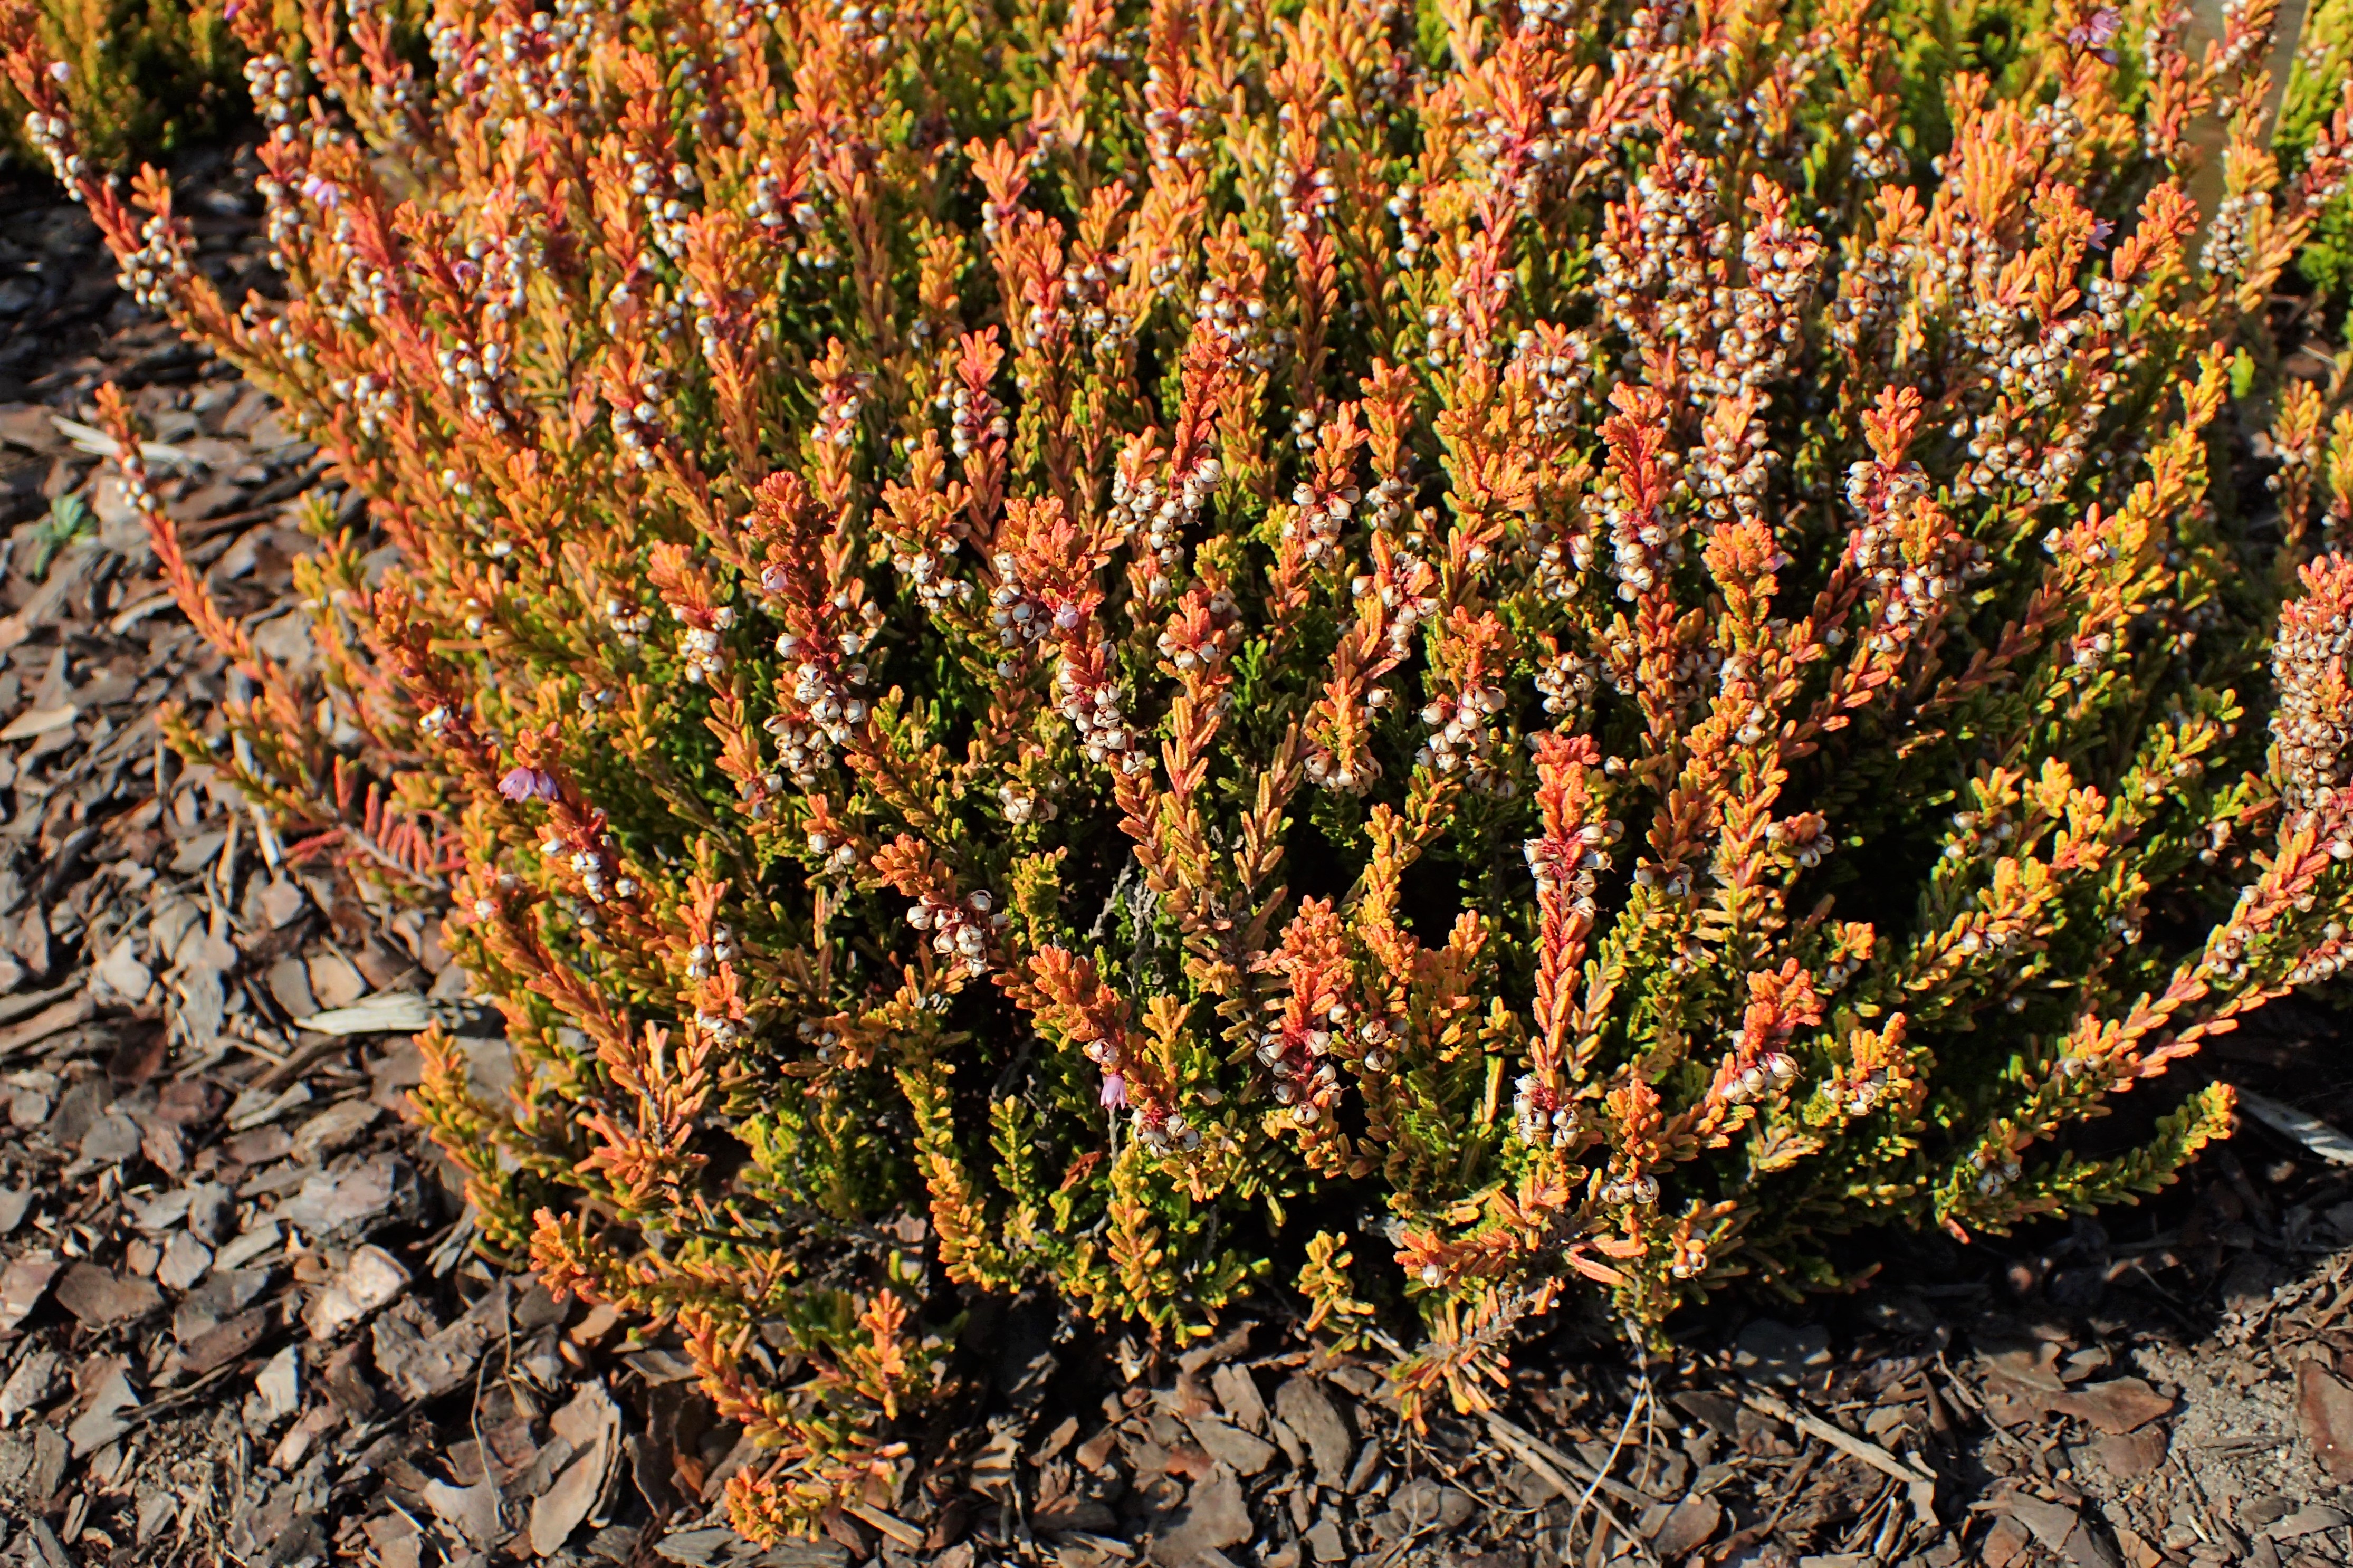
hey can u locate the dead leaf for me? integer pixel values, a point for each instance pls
(54, 1019)
(99, 1298)
(2324, 1413)
(591, 1423)
(331, 1128)
(372, 1277)
(330, 1200)
(103, 1422)
(2117, 1407)
(386, 1013)
(21, 1285)
(37, 721)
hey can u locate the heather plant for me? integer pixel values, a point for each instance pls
(130, 76)
(1448, 663)
(2316, 81)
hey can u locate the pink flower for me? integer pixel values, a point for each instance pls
(523, 784)
(1115, 1092)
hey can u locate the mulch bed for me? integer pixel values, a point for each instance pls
(240, 1320)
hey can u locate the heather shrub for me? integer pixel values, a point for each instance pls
(131, 76)
(1451, 663)
(2315, 82)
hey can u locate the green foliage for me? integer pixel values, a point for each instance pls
(141, 76)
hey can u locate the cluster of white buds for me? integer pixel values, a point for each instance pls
(1877, 158)
(844, 399)
(1389, 503)
(839, 856)
(1643, 549)
(51, 134)
(1451, 327)
(1305, 200)
(1689, 1260)
(629, 624)
(1408, 598)
(2090, 650)
(1762, 321)
(495, 270)
(960, 931)
(1805, 838)
(1573, 865)
(1734, 461)
(1087, 291)
(970, 418)
(825, 705)
(457, 60)
(480, 381)
(1105, 730)
(370, 397)
(1460, 737)
(1674, 882)
(1911, 594)
(1996, 1170)
(1981, 833)
(277, 90)
(823, 1038)
(700, 645)
(1568, 682)
(1022, 803)
(1561, 367)
(2312, 664)
(1870, 290)
(1296, 1057)
(2008, 450)
(2325, 962)
(719, 950)
(1174, 133)
(1170, 1134)
(1190, 647)
(1321, 517)
(1020, 617)
(1862, 1097)
(636, 427)
(1770, 1073)
(660, 191)
(590, 860)
(1154, 514)
(924, 565)
(768, 205)
(149, 273)
(865, 25)
(1641, 1190)
(1540, 1118)
(1660, 254)
(1524, 157)
(1414, 236)
(721, 1030)
(1350, 775)
(287, 228)
(538, 63)
(1239, 322)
